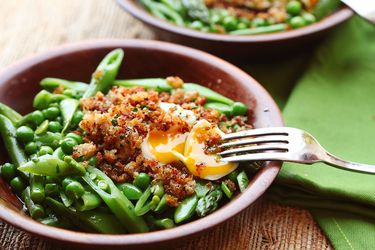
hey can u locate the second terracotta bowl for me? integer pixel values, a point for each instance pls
(20, 82)
(260, 47)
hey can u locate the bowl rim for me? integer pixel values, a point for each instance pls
(140, 13)
(260, 182)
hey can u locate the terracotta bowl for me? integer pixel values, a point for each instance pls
(20, 82)
(265, 46)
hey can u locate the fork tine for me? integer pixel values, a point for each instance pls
(266, 139)
(257, 132)
(249, 149)
(255, 157)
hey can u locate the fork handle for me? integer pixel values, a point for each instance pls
(348, 165)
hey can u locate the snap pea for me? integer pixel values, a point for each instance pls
(74, 190)
(42, 128)
(36, 211)
(149, 4)
(160, 223)
(185, 209)
(10, 113)
(59, 154)
(105, 73)
(171, 14)
(261, 30)
(162, 205)
(44, 98)
(48, 165)
(201, 188)
(120, 206)
(130, 191)
(158, 189)
(90, 221)
(37, 191)
(158, 84)
(174, 4)
(226, 190)
(239, 108)
(80, 168)
(142, 181)
(220, 107)
(210, 202)
(88, 201)
(68, 107)
(242, 180)
(51, 189)
(52, 83)
(141, 207)
(67, 201)
(210, 95)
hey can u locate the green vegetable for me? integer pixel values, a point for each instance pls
(76, 137)
(142, 181)
(49, 139)
(67, 201)
(160, 223)
(52, 113)
(67, 145)
(68, 107)
(35, 118)
(261, 30)
(31, 148)
(158, 189)
(233, 175)
(294, 7)
(51, 189)
(8, 171)
(325, 7)
(45, 150)
(196, 10)
(55, 127)
(220, 107)
(185, 209)
(210, 95)
(10, 113)
(80, 168)
(201, 188)
(162, 205)
(37, 192)
(158, 84)
(58, 153)
(210, 202)
(120, 206)
(141, 207)
(226, 190)
(297, 22)
(165, 11)
(17, 184)
(88, 201)
(230, 23)
(24, 134)
(42, 128)
(130, 191)
(242, 180)
(239, 108)
(74, 190)
(36, 211)
(309, 18)
(90, 221)
(44, 98)
(105, 73)
(51, 84)
(48, 165)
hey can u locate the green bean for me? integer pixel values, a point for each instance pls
(51, 84)
(210, 202)
(116, 201)
(68, 107)
(325, 7)
(88, 201)
(36, 211)
(142, 181)
(105, 73)
(261, 30)
(158, 84)
(37, 191)
(162, 205)
(53, 221)
(10, 113)
(242, 180)
(220, 107)
(185, 209)
(48, 165)
(90, 221)
(226, 190)
(51, 189)
(130, 191)
(76, 165)
(44, 98)
(8, 171)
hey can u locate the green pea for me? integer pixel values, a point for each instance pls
(297, 22)
(309, 18)
(67, 181)
(52, 112)
(76, 137)
(37, 117)
(238, 108)
(17, 184)
(70, 92)
(59, 119)
(54, 104)
(130, 191)
(67, 145)
(294, 7)
(45, 150)
(77, 118)
(246, 21)
(103, 185)
(197, 25)
(242, 26)
(215, 18)
(74, 190)
(259, 22)
(31, 148)
(142, 181)
(25, 134)
(8, 171)
(230, 23)
(93, 160)
(55, 127)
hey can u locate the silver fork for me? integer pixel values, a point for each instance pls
(282, 144)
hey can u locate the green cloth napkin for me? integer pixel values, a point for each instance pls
(335, 102)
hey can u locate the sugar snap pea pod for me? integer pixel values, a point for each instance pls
(37, 191)
(58, 153)
(130, 191)
(158, 84)
(141, 207)
(90, 221)
(162, 205)
(73, 163)
(74, 190)
(43, 99)
(261, 30)
(105, 73)
(149, 4)
(242, 180)
(68, 107)
(171, 14)
(209, 203)
(52, 83)
(220, 107)
(67, 201)
(48, 139)
(325, 7)
(185, 209)
(88, 201)
(158, 189)
(10, 113)
(160, 223)
(174, 4)
(226, 190)
(210, 95)
(36, 211)
(201, 188)
(120, 206)
(48, 165)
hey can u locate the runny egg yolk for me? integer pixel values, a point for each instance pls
(163, 146)
(205, 166)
